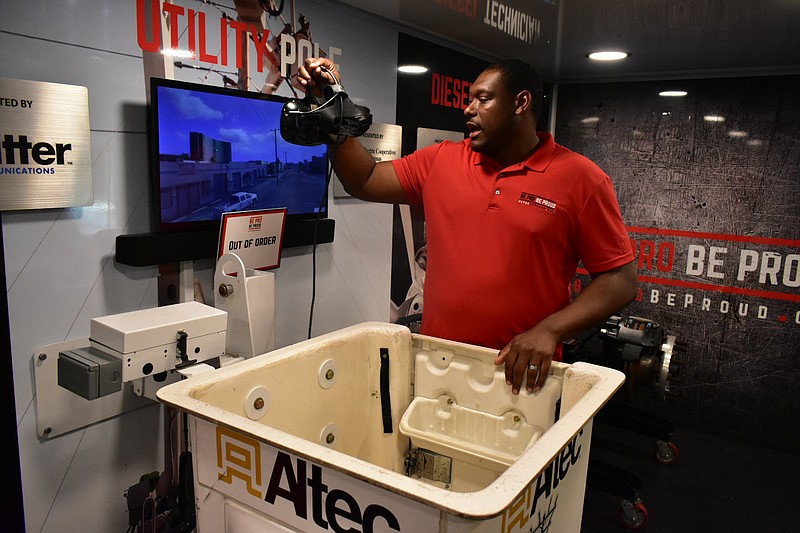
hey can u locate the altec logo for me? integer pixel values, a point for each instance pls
(20, 151)
(335, 509)
(544, 488)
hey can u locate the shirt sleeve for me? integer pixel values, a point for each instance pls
(604, 243)
(413, 170)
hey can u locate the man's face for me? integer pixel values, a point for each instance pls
(490, 113)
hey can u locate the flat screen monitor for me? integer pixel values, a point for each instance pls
(214, 149)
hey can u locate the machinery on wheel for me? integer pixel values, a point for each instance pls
(644, 351)
(650, 359)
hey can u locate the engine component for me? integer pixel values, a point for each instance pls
(644, 351)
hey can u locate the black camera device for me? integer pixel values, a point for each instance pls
(308, 122)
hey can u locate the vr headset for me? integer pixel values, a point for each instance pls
(308, 122)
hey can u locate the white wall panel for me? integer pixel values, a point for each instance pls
(115, 81)
(104, 25)
(26, 231)
(44, 465)
(109, 459)
(60, 264)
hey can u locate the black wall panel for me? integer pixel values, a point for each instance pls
(713, 207)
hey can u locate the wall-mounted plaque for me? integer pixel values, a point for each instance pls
(45, 145)
(383, 141)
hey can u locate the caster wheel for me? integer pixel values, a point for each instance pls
(633, 515)
(666, 452)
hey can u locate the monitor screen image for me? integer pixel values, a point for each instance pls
(216, 150)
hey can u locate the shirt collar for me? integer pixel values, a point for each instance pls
(544, 153)
(538, 160)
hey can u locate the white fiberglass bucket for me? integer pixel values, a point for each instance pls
(372, 428)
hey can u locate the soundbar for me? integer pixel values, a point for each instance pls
(149, 249)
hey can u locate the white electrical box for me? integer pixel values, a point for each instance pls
(150, 341)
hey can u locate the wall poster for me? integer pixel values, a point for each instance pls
(708, 186)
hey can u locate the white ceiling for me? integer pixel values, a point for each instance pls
(667, 38)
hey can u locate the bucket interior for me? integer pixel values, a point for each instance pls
(393, 399)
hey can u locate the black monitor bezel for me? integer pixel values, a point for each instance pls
(154, 154)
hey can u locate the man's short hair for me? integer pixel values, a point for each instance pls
(520, 76)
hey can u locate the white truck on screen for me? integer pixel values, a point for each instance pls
(239, 201)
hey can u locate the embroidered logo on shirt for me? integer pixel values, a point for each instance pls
(537, 201)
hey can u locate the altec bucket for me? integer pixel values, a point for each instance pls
(375, 429)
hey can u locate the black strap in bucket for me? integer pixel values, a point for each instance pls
(386, 402)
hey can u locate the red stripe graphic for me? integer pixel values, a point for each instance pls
(711, 287)
(722, 288)
(714, 236)
(774, 295)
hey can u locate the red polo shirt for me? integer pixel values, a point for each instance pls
(504, 243)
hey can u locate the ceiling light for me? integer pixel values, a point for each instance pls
(412, 69)
(608, 55)
(672, 93)
(714, 118)
(737, 134)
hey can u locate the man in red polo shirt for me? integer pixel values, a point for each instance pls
(509, 215)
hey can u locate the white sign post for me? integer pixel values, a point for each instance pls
(250, 244)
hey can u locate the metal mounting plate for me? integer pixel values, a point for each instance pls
(59, 410)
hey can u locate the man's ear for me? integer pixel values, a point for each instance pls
(523, 102)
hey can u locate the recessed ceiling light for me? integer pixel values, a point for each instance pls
(672, 93)
(714, 118)
(608, 55)
(412, 69)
